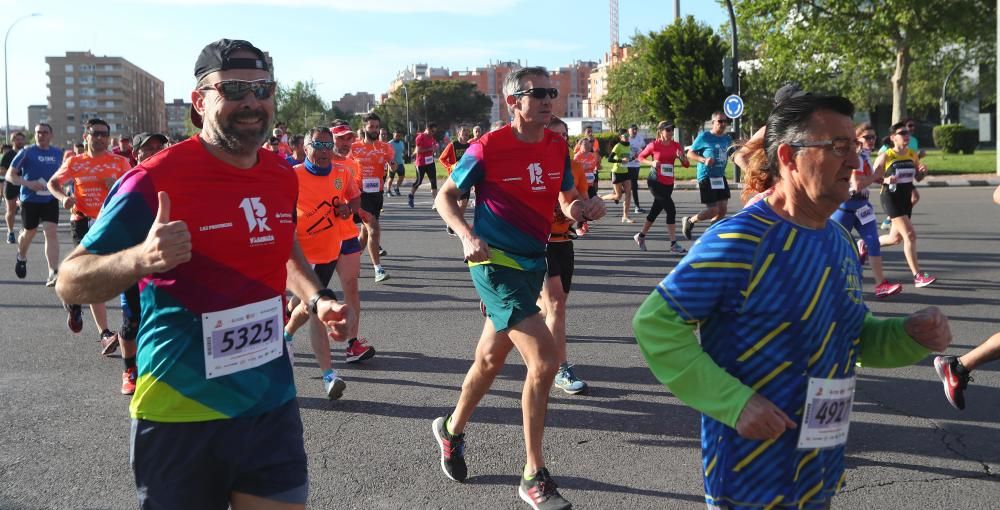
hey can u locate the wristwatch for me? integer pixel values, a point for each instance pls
(314, 301)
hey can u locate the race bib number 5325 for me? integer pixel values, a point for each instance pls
(243, 337)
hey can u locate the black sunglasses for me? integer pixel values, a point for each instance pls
(870, 137)
(235, 90)
(538, 93)
(321, 145)
(902, 133)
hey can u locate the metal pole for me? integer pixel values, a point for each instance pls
(736, 75)
(944, 96)
(406, 93)
(677, 11)
(6, 93)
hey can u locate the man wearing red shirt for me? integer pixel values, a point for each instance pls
(424, 148)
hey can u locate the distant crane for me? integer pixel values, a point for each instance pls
(614, 23)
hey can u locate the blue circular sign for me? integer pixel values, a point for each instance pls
(733, 106)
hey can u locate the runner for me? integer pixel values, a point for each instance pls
(374, 158)
(621, 153)
(590, 161)
(900, 165)
(297, 154)
(560, 262)
(424, 148)
(477, 131)
(506, 254)
(449, 157)
(914, 145)
(399, 163)
(773, 371)
(664, 151)
(215, 420)
(144, 146)
(10, 190)
(92, 175)
(124, 149)
(349, 263)
(710, 150)
(328, 195)
(635, 144)
(31, 169)
(857, 213)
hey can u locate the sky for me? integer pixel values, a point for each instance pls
(343, 46)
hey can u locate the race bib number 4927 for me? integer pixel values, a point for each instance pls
(827, 413)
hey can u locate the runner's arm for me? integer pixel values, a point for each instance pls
(677, 360)
(740, 158)
(86, 277)
(885, 344)
(55, 183)
(302, 281)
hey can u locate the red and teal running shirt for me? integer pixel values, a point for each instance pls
(242, 227)
(517, 186)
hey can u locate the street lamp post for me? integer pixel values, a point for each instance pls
(6, 93)
(406, 94)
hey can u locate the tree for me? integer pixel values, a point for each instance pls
(867, 51)
(443, 102)
(300, 107)
(627, 83)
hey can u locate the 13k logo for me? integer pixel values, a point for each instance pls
(535, 173)
(255, 213)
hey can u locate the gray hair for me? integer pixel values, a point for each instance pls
(512, 82)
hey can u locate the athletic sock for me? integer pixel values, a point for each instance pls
(641, 234)
(20, 259)
(129, 362)
(447, 427)
(528, 475)
(327, 372)
(378, 267)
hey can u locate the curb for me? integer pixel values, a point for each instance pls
(693, 185)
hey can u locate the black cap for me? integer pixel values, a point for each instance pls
(140, 139)
(665, 125)
(216, 56)
(788, 91)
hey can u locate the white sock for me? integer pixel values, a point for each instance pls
(378, 267)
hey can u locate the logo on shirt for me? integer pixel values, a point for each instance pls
(256, 216)
(535, 173)
(852, 278)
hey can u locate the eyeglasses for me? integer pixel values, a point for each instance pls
(721, 121)
(321, 145)
(902, 133)
(538, 93)
(841, 147)
(870, 137)
(99, 134)
(235, 90)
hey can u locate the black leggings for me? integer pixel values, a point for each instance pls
(661, 201)
(431, 172)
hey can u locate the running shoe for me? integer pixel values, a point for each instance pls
(676, 248)
(886, 223)
(21, 268)
(640, 241)
(397, 192)
(333, 385)
(452, 450)
(923, 280)
(51, 282)
(382, 252)
(628, 220)
(687, 227)
(886, 289)
(450, 231)
(542, 493)
(128, 381)
(11, 238)
(109, 342)
(862, 251)
(359, 350)
(381, 275)
(75, 319)
(409, 200)
(955, 379)
(567, 381)
(638, 210)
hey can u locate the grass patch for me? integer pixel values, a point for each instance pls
(982, 162)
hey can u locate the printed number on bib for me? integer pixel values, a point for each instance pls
(865, 215)
(717, 182)
(827, 413)
(370, 185)
(904, 175)
(590, 177)
(428, 160)
(242, 338)
(666, 170)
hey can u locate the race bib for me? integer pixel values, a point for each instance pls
(865, 215)
(590, 177)
(666, 170)
(428, 160)
(242, 338)
(45, 192)
(904, 175)
(717, 182)
(370, 185)
(827, 413)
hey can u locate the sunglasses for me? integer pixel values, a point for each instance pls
(538, 93)
(235, 90)
(870, 137)
(841, 147)
(902, 133)
(722, 121)
(321, 145)
(99, 134)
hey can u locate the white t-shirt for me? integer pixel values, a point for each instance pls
(636, 145)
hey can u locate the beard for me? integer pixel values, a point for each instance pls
(240, 140)
(371, 135)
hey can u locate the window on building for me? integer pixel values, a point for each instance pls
(71, 129)
(70, 104)
(69, 80)
(70, 118)
(86, 67)
(69, 92)
(87, 80)
(88, 103)
(109, 67)
(86, 91)
(109, 104)
(69, 68)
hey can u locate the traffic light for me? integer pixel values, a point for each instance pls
(727, 73)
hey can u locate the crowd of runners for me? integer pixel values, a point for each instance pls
(222, 246)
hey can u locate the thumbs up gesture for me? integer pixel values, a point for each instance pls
(168, 243)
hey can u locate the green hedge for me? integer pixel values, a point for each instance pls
(952, 138)
(606, 141)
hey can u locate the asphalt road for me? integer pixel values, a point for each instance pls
(627, 444)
